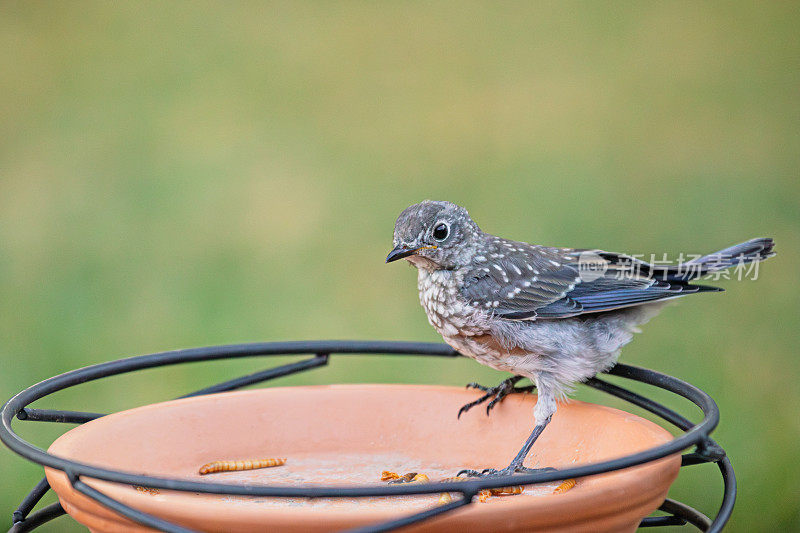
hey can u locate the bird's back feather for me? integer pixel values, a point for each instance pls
(526, 282)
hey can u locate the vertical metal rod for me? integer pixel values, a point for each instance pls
(43, 515)
(30, 501)
(728, 496)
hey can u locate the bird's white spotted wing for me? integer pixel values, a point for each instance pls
(515, 279)
(531, 282)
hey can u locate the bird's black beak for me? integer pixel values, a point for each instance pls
(400, 252)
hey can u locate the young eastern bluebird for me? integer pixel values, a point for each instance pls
(557, 316)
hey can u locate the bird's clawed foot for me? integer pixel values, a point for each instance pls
(497, 394)
(507, 471)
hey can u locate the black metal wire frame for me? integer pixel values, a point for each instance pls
(678, 513)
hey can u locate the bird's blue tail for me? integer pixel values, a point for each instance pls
(746, 252)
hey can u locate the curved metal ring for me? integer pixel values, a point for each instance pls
(694, 434)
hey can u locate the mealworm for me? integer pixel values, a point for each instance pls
(485, 494)
(420, 478)
(393, 478)
(565, 486)
(515, 489)
(388, 476)
(151, 490)
(445, 498)
(453, 479)
(231, 466)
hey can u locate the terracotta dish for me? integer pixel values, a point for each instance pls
(349, 434)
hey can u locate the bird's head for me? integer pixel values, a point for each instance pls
(434, 235)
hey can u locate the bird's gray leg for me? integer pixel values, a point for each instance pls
(516, 462)
(543, 413)
(497, 393)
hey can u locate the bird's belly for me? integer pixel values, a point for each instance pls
(467, 329)
(477, 350)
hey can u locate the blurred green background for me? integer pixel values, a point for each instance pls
(188, 174)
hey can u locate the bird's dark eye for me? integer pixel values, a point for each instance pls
(440, 232)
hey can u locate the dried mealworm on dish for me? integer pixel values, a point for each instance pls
(405, 478)
(453, 479)
(485, 494)
(565, 486)
(500, 491)
(388, 476)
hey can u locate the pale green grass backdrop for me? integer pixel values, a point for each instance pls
(185, 174)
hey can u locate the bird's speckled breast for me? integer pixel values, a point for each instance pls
(454, 318)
